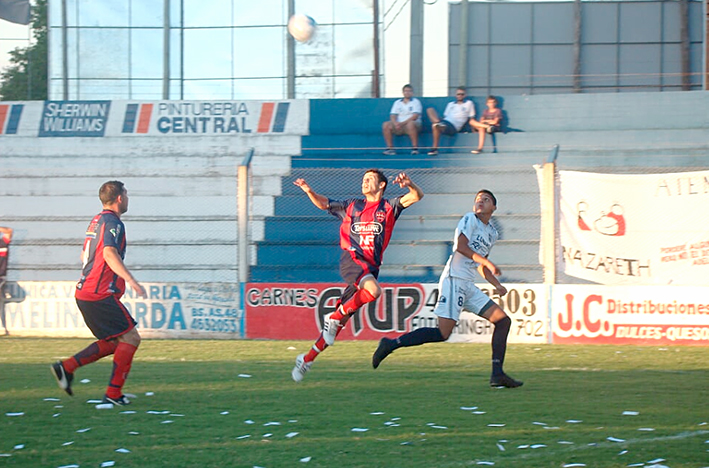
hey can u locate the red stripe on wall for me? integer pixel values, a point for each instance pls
(3, 116)
(146, 111)
(264, 123)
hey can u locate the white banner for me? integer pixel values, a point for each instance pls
(171, 310)
(643, 315)
(635, 229)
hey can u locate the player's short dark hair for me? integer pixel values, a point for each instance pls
(380, 176)
(407, 85)
(485, 191)
(109, 191)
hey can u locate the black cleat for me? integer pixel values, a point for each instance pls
(504, 380)
(120, 401)
(63, 377)
(384, 349)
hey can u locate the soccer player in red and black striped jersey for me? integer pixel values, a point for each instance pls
(5, 239)
(103, 281)
(367, 224)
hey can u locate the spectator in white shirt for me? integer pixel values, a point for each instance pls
(457, 113)
(404, 119)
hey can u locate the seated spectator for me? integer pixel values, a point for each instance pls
(489, 123)
(454, 117)
(404, 119)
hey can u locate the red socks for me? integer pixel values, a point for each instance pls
(318, 347)
(122, 360)
(360, 298)
(91, 353)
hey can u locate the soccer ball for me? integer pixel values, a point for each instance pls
(301, 27)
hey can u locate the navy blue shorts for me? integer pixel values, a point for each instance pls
(352, 271)
(448, 128)
(107, 318)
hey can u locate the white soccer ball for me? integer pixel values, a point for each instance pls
(301, 27)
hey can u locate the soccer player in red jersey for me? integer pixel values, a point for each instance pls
(98, 292)
(5, 239)
(367, 224)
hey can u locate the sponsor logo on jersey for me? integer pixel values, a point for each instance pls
(367, 228)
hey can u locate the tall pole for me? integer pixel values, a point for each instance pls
(65, 55)
(375, 73)
(684, 38)
(416, 54)
(290, 50)
(577, 46)
(166, 50)
(463, 46)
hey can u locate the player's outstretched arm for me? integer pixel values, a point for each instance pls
(318, 200)
(415, 193)
(115, 263)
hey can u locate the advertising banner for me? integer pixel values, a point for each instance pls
(284, 311)
(635, 229)
(171, 310)
(642, 315)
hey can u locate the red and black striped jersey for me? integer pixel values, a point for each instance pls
(366, 226)
(98, 281)
(4, 254)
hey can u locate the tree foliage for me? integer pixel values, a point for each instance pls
(26, 76)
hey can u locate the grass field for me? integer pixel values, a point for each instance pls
(417, 408)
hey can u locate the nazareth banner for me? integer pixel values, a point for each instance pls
(171, 310)
(643, 315)
(635, 229)
(286, 311)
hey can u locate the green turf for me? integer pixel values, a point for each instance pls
(196, 381)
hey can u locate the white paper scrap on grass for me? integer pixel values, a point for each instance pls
(167, 421)
(245, 436)
(128, 412)
(244, 376)
(56, 415)
(359, 429)
(630, 413)
(292, 420)
(106, 464)
(657, 465)
(59, 406)
(523, 447)
(486, 463)
(157, 412)
(267, 435)
(646, 429)
(291, 348)
(657, 460)
(122, 450)
(622, 452)
(177, 415)
(572, 465)
(224, 412)
(133, 433)
(468, 408)
(12, 415)
(69, 466)
(502, 449)
(377, 413)
(565, 442)
(272, 423)
(94, 402)
(495, 425)
(85, 381)
(248, 421)
(290, 435)
(5, 455)
(439, 427)
(67, 443)
(81, 431)
(539, 423)
(536, 446)
(614, 439)
(574, 421)
(478, 412)
(51, 399)
(702, 423)
(395, 419)
(551, 428)
(305, 459)
(18, 447)
(149, 393)
(637, 464)
(105, 406)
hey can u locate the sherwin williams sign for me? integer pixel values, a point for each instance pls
(74, 118)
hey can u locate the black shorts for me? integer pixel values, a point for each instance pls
(352, 271)
(448, 128)
(107, 318)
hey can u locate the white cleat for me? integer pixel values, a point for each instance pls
(330, 328)
(301, 367)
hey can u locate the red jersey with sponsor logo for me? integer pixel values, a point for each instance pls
(4, 254)
(98, 281)
(366, 226)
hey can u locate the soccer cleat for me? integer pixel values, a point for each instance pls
(301, 367)
(384, 349)
(389, 152)
(330, 328)
(120, 401)
(504, 380)
(63, 377)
